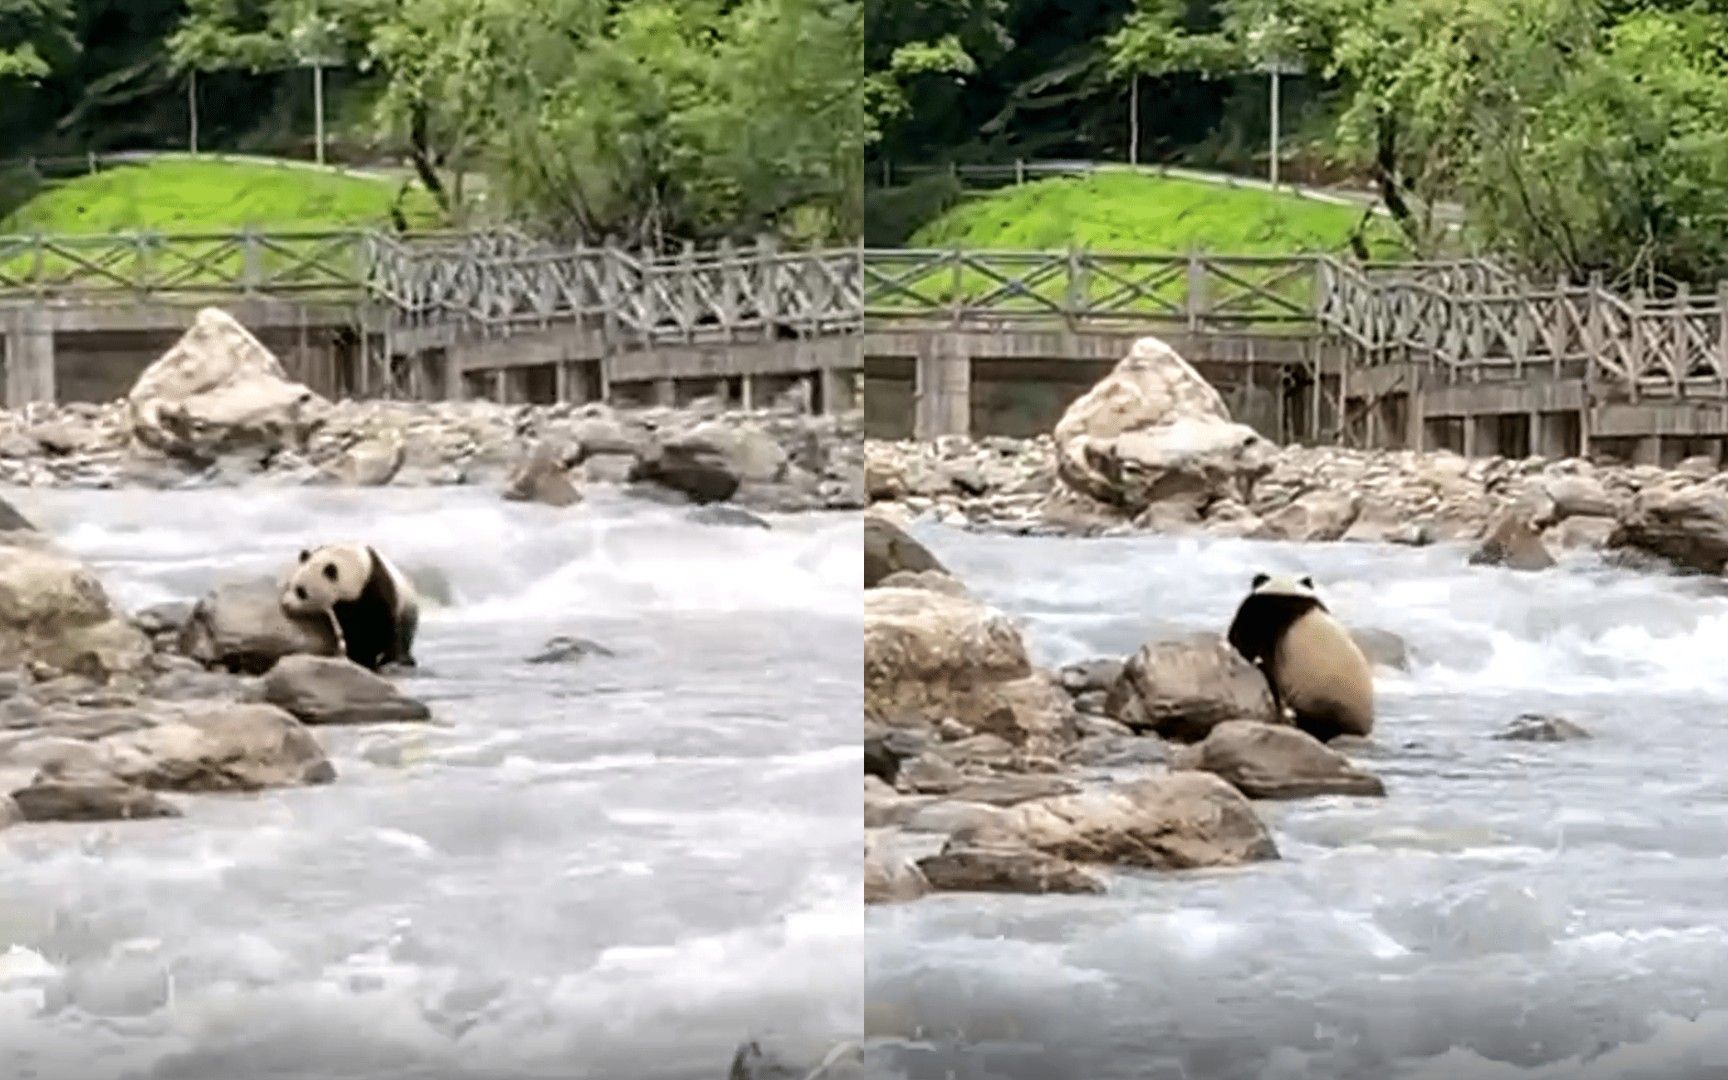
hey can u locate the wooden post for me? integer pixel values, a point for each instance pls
(1721, 364)
(1682, 305)
(768, 285)
(1594, 342)
(957, 285)
(250, 276)
(1196, 298)
(1635, 367)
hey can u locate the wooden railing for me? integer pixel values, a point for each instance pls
(493, 283)
(1467, 319)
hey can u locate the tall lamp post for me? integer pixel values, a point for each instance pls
(313, 42)
(1271, 44)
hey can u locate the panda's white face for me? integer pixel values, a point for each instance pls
(324, 578)
(1267, 585)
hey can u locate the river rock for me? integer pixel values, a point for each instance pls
(55, 613)
(1004, 868)
(1578, 496)
(218, 390)
(889, 877)
(730, 517)
(1183, 688)
(369, 463)
(1274, 761)
(241, 627)
(186, 746)
(1514, 542)
(929, 656)
(1539, 727)
(1153, 429)
(1581, 532)
(888, 549)
(1318, 516)
(89, 798)
(12, 521)
(568, 649)
(543, 477)
(711, 461)
(934, 580)
(1169, 821)
(1687, 526)
(1383, 648)
(335, 690)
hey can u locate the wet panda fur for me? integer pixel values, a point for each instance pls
(1314, 667)
(373, 604)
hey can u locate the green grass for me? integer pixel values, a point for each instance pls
(1126, 214)
(1131, 212)
(177, 195)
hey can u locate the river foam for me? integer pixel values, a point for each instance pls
(620, 867)
(1511, 910)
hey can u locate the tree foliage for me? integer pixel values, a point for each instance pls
(35, 37)
(637, 121)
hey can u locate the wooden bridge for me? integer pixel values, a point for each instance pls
(1460, 354)
(439, 316)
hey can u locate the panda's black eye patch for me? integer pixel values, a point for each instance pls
(330, 571)
(305, 554)
(1261, 579)
(300, 592)
(1307, 583)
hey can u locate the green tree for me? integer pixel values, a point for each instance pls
(35, 37)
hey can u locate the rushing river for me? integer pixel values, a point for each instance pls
(1511, 910)
(612, 869)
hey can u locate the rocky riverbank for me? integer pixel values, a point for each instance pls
(1151, 449)
(217, 409)
(983, 773)
(107, 712)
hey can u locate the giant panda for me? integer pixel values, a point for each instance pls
(1314, 667)
(373, 604)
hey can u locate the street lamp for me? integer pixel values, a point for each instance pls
(313, 42)
(1271, 44)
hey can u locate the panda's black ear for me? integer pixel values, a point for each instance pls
(305, 553)
(1308, 583)
(330, 571)
(1260, 579)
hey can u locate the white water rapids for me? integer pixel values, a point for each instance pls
(1511, 910)
(617, 868)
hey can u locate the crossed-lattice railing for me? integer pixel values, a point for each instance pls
(494, 282)
(1470, 319)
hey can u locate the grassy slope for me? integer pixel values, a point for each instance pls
(1138, 214)
(187, 195)
(1141, 213)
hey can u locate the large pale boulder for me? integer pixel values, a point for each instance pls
(219, 390)
(1170, 821)
(184, 746)
(55, 613)
(241, 627)
(1184, 687)
(930, 656)
(1687, 526)
(1153, 429)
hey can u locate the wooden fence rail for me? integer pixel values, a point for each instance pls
(494, 283)
(1467, 319)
